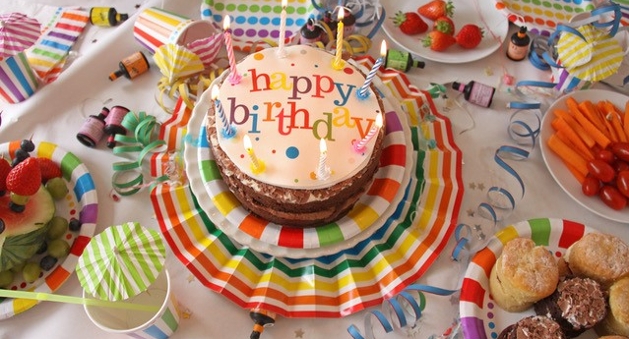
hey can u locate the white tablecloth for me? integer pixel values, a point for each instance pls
(58, 109)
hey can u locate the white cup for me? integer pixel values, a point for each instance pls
(140, 324)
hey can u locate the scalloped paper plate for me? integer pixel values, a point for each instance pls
(560, 172)
(80, 203)
(481, 317)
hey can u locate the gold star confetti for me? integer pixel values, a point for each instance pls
(472, 185)
(481, 186)
(190, 278)
(489, 71)
(299, 333)
(477, 228)
(185, 312)
(470, 213)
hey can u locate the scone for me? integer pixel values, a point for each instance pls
(577, 305)
(533, 327)
(602, 257)
(523, 274)
(617, 320)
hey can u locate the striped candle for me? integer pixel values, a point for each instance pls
(280, 51)
(363, 92)
(337, 62)
(234, 77)
(226, 128)
(323, 171)
(360, 146)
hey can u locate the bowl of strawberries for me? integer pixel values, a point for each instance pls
(447, 31)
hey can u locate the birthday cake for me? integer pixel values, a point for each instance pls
(266, 131)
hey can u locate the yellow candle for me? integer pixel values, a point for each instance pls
(257, 165)
(337, 62)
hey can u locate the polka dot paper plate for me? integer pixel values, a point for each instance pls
(542, 16)
(80, 203)
(481, 317)
(369, 213)
(254, 21)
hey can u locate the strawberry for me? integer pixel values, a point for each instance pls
(435, 9)
(5, 168)
(438, 41)
(410, 23)
(49, 169)
(25, 178)
(444, 24)
(469, 36)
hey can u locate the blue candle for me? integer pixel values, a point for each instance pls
(227, 130)
(363, 92)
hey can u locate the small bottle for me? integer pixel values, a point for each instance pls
(106, 16)
(401, 61)
(476, 92)
(113, 124)
(131, 66)
(93, 129)
(310, 32)
(519, 45)
(261, 319)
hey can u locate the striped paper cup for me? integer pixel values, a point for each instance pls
(155, 27)
(17, 79)
(140, 324)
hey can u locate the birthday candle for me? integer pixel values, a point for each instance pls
(364, 90)
(323, 171)
(227, 130)
(257, 165)
(360, 146)
(234, 77)
(280, 51)
(337, 62)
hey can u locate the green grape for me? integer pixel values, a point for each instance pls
(18, 268)
(57, 227)
(57, 188)
(31, 272)
(6, 278)
(58, 248)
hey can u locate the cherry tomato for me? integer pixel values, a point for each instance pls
(601, 170)
(621, 150)
(590, 185)
(622, 183)
(612, 197)
(620, 165)
(605, 155)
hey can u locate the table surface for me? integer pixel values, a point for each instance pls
(57, 110)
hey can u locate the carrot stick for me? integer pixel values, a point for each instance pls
(598, 136)
(578, 175)
(562, 128)
(567, 154)
(588, 110)
(569, 119)
(611, 133)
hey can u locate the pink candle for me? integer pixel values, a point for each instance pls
(360, 146)
(234, 77)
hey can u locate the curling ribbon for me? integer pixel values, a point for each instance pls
(128, 176)
(49, 54)
(405, 309)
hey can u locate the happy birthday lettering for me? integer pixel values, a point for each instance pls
(288, 115)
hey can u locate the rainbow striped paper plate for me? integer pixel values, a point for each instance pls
(80, 203)
(345, 281)
(481, 317)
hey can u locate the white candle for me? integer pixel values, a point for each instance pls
(363, 92)
(227, 130)
(337, 63)
(234, 77)
(360, 146)
(280, 51)
(257, 166)
(323, 171)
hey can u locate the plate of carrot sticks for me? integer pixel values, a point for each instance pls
(578, 130)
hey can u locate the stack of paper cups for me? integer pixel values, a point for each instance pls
(17, 79)
(155, 27)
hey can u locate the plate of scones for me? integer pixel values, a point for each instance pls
(547, 278)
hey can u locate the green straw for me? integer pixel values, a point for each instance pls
(76, 300)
